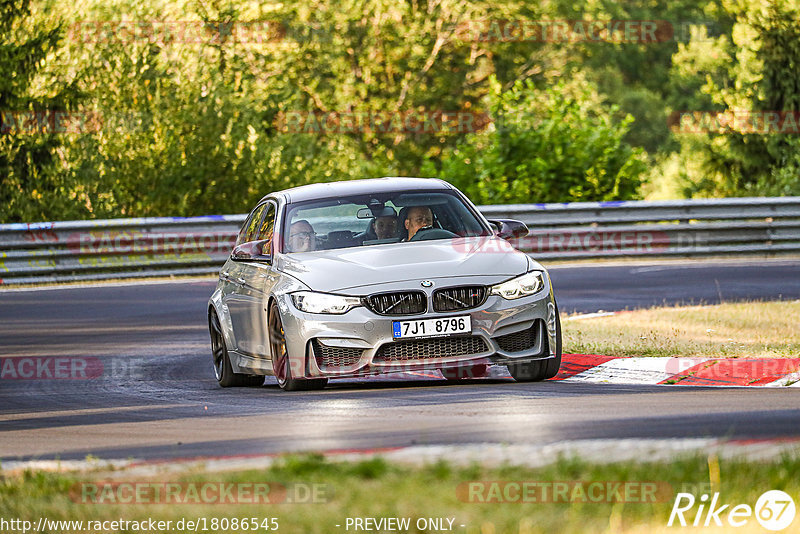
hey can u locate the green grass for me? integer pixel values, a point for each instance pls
(732, 330)
(377, 488)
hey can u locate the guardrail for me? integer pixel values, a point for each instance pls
(691, 228)
(163, 246)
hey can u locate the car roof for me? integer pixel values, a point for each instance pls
(361, 187)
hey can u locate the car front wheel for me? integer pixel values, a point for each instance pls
(281, 364)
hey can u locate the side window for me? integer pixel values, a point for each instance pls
(267, 226)
(248, 231)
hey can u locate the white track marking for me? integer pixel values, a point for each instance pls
(635, 370)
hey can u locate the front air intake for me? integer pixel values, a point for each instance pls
(397, 303)
(458, 298)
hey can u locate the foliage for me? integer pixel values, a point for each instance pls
(607, 494)
(175, 126)
(751, 73)
(546, 146)
(28, 189)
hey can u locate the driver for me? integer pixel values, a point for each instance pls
(418, 217)
(385, 226)
(302, 237)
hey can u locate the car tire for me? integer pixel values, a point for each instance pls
(280, 357)
(454, 374)
(539, 370)
(221, 360)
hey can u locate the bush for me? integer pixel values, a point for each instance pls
(553, 145)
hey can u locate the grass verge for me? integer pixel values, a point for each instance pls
(732, 330)
(379, 489)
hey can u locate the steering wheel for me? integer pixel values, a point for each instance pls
(429, 232)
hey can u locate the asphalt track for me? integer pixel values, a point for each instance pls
(157, 399)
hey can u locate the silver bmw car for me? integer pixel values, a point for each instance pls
(363, 277)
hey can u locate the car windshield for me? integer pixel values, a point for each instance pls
(378, 219)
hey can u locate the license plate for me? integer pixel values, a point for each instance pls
(444, 326)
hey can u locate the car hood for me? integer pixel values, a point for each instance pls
(348, 268)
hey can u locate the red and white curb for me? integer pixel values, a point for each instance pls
(773, 372)
(682, 371)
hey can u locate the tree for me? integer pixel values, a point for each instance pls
(30, 187)
(552, 145)
(751, 74)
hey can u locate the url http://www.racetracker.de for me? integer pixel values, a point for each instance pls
(198, 524)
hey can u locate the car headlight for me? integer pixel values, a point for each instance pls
(311, 302)
(519, 287)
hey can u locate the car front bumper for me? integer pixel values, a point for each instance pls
(360, 342)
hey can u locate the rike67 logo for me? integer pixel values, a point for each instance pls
(774, 510)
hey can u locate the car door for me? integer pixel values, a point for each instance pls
(235, 294)
(260, 279)
(254, 279)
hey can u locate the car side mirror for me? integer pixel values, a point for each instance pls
(509, 228)
(252, 251)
